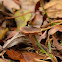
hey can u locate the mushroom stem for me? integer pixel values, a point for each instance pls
(32, 40)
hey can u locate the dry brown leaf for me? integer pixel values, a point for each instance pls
(11, 5)
(28, 4)
(55, 14)
(44, 35)
(37, 21)
(55, 29)
(45, 23)
(3, 32)
(53, 8)
(11, 34)
(52, 4)
(57, 54)
(13, 54)
(31, 57)
(16, 39)
(38, 5)
(56, 44)
(24, 56)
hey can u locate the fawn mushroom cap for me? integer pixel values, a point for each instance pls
(30, 30)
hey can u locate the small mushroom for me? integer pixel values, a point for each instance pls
(30, 31)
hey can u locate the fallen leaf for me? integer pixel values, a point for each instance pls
(15, 55)
(56, 44)
(53, 8)
(55, 29)
(28, 4)
(24, 56)
(45, 23)
(2, 7)
(57, 54)
(17, 2)
(16, 39)
(11, 5)
(37, 21)
(11, 34)
(44, 35)
(3, 32)
(38, 5)
(22, 20)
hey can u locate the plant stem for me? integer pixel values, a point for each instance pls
(45, 12)
(42, 48)
(39, 44)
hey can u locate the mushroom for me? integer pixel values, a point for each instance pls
(30, 31)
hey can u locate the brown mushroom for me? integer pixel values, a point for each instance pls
(30, 31)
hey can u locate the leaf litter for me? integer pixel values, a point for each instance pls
(30, 31)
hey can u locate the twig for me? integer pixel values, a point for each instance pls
(2, 53)
(50, 27)
(57, 21)
(5, 13)
(16, 16)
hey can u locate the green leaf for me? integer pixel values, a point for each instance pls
(22, 20)
(42, 51)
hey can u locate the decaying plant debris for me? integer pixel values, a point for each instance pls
(30, 31)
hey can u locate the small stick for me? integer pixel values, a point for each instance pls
(50, 27)
(15, 16)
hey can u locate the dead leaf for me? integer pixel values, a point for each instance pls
(13, 54)
(56, 44)
(28, 4)
(57, 54)
(55, 29)
(11, 34)
(53, 8)
(24, 56)
(11, 5)
(38, 5)
(17, 2)
(32, 56)
(17, 38)
(2, 32)
(37, 21)
(45, 23)
(44, 35)
(2, 7)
